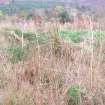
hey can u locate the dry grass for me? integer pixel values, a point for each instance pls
(48, 71)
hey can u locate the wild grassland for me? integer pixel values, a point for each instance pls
(51, 66)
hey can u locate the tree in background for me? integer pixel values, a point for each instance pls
(62, 14)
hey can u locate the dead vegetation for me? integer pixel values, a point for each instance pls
(53, 73)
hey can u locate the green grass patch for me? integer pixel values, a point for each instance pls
(75, 93)
(36, 37)
(17, 54)
(99, 36)
(76, 36)
(73, 36)
(68, 36)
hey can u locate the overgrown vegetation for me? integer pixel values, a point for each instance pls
(50, 63)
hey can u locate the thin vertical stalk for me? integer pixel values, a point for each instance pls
(92, 54)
